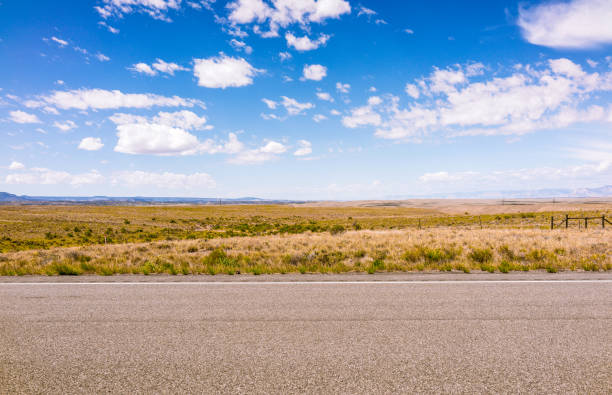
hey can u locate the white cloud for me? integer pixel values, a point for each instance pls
(23, 117)
(16, 166)
(325, 96)
(315, 72)
(183, 119)
(155, 139)
(305, 43)
(343, 88)
(319, 117)
(108, 27)
(284, 56)
(408, 31)
(223, 71)
(365, 11)
(270, 103)
(285, 13)
(101, 57)
(529, 99)
(241, 46)
(365, 115)
(156, 9)
(166, 180)
(269, 151)
(91, 144)
(43, 176)
(59, 41)
(50, 110)
(381, 22)
(335, 112)
(65, 126)
(168, 68)
(304, 148)
(143, 68)
(577, 24)
(294, 107)
(412, 91)
(100, 99)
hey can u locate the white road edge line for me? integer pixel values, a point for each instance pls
(399, 282)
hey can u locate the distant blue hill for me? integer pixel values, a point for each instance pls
(12, 198)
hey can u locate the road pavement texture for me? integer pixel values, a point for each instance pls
(392, 333)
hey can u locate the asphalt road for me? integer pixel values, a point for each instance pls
(379, 336)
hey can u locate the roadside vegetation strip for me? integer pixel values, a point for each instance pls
(330, 282)
(47, 227)
(432, 249)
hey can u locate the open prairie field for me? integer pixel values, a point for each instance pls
(340, 237)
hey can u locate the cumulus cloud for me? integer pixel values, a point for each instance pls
(292, 106)
(155, 139)
(91, 144)
(305, 43)
(160, 66)
(166, 180)
(100, 99)
(267, 152)
(284, 56)
(319, 117)
(553, 95)
(325, 96)
(23, 117)
(343, 88)
(65, 126)
(270, 103)
(143, 68)
(281, 14)
(579, 24)
(16, 166)
(315, 72)
(304, 148)
(365, 115)
(224, 71)
(241, 46)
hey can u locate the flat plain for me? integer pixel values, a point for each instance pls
(319, 237)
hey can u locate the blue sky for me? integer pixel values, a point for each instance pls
(303, 99)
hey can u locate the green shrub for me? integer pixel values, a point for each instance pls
(481, 255)
(337, 229)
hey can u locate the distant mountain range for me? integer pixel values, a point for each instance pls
(11, 198)
(604, 191)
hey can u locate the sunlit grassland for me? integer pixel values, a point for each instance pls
(283, 239)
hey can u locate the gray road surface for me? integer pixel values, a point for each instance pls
(309, 337)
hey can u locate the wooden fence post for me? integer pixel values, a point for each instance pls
(603, 221)
(586, 222)
(552, 222)
(566, 221)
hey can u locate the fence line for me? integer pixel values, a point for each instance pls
(579, 219)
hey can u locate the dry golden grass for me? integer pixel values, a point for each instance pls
(442, 248)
